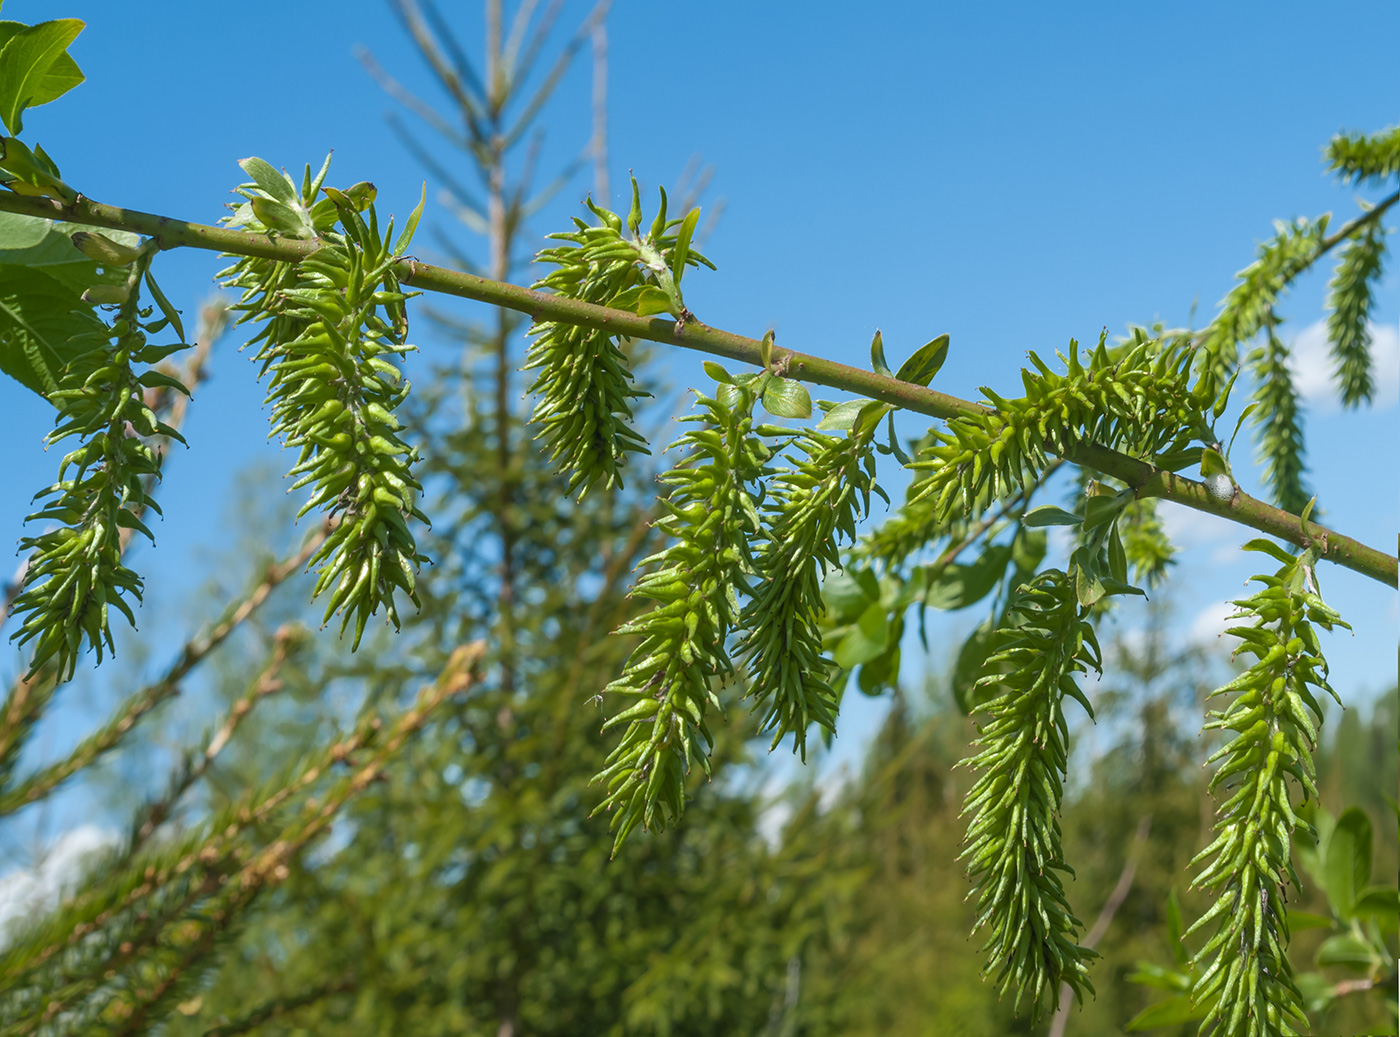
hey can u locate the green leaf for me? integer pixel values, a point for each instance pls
(1213, 464)
(958, 586)
(1150, 975)
(867, 639)
(170, 312)
(43, 326)
(1171, 1012)
(1028, 551)
(1088, 586)
(401, 245)
(652, 300)
(271, 180)
(894, 447)
(1175, 928)
(1317, 990)
(30, 70)
(1269, 548)
(718, 373)
(1300, 920)
(869, 416)
(880, 673)
(1379, 902)
(850, 592)
(1049, 515)
(1103, 508)
(842, 417)
(925, 363)
(1347, 861)
(1176, 460)
(786, 398)
(1238, 425)
(681, 253)
(968, 668)
(63, 75)
(1346, 949)
(1117, 557)
(877, 356)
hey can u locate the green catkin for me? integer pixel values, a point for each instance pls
(671, 677)
(1013, 846)
(75, 576)
(331, 325)
(584, 387)
(809, 509)
(1243, 972)
(1139, 400)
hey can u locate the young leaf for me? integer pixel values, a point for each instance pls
(925, 363)
(786, 398)
(270, 179)
(877, 356)
(1049, 515)
(1213, 464)
(718, 373)
(842, 417)
(652, 300)
(43, 326)
(30, 72)
(958, 586)
(1347, 864)
(401, 245)
(171, 313)
(681, 254)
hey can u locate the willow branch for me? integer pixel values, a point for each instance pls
(1145, 478)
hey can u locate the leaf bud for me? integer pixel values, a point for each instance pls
(106, 294)
(104, 250)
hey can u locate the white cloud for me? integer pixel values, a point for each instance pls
(1311, 362)
(28, 892)
(1188, 527)
(1210, 623)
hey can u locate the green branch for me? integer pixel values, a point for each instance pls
(1146, 479)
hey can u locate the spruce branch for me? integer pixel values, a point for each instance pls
(153, 814)
(66, 961)
(1144, 477)
(38, 785)
(277, 1007)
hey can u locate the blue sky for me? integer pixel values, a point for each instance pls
(1012, 174)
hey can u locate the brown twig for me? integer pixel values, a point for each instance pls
(1105, 919)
